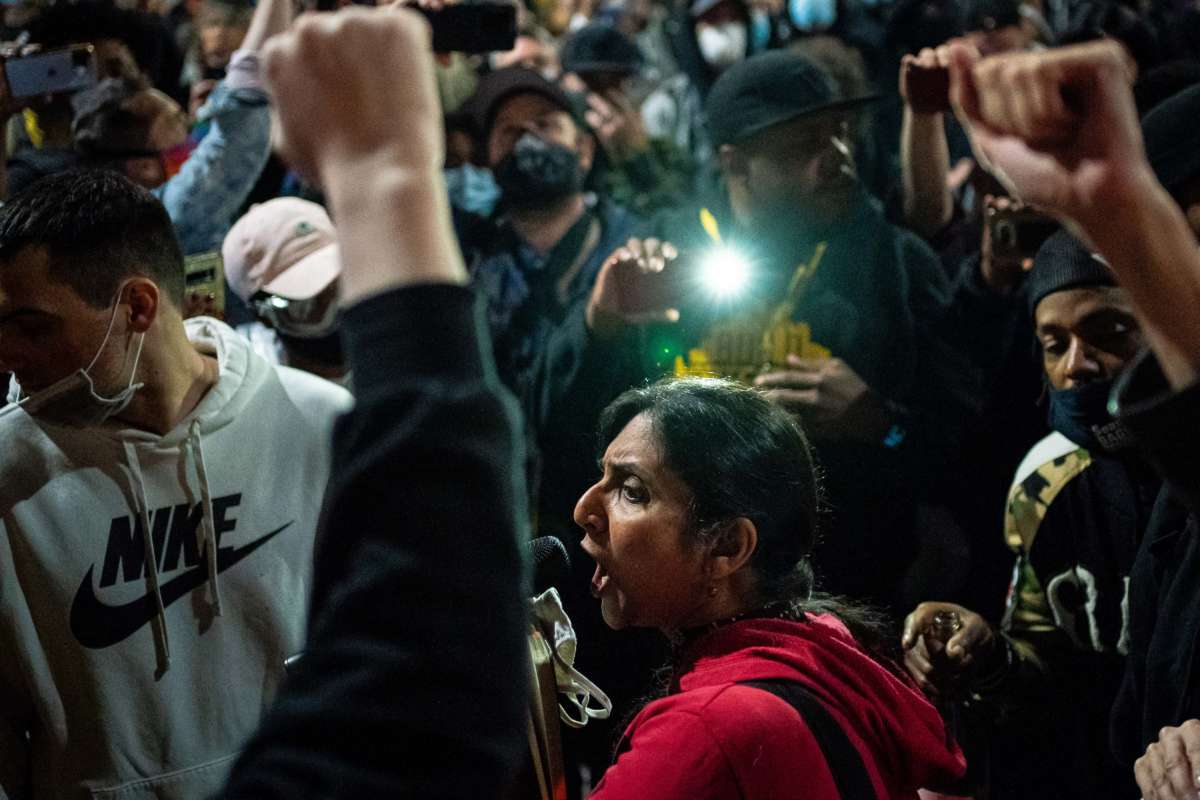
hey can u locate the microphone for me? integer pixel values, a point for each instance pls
(551, 564)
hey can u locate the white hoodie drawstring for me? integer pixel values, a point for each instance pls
(162, 643)
(209, 542)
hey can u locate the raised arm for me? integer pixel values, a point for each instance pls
(218, 177)
(414, 682)
(924, 152)
(1060, 129)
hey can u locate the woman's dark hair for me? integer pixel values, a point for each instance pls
(742, 456)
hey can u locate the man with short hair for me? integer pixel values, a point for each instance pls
(856, 312)
(157, 505)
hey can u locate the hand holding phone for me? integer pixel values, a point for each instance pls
(638, 284)
(65, 71)
(925, 82)
(1013, 232)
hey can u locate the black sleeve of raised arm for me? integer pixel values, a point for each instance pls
(414, 679)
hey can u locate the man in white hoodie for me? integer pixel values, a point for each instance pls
(135, 665)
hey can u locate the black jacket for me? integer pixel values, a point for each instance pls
(1162, 677)
(414, 679)
(880, 301)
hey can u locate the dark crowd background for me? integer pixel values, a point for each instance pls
(928, 332)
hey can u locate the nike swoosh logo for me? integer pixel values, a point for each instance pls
(97, 625)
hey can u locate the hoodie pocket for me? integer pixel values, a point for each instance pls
(202, 780)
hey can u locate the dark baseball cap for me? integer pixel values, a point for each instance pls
(496, 87)
(768, 89)
(1173, 139)
(598, 47)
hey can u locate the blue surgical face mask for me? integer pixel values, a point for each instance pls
(1081, 414)
(812, 15)
(472, 189)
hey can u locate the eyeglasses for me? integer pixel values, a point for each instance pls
(311, 318)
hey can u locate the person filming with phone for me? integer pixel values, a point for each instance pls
(813, 296)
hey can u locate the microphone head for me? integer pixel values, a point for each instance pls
(551, 564)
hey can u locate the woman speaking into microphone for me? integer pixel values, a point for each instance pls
(700, 526)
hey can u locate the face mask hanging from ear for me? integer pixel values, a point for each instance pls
(73, 401)
(552, 620)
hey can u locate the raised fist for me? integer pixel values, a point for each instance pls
(355, 90)
(1057, 127)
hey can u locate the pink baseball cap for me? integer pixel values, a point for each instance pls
(286, 247)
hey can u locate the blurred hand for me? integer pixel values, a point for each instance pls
(198, 95)
(829, 397)
(344, 114)
(617, 124)
(1170, 769)
(628, 288)
(942, 669)
(1057, 127)
(528, 51)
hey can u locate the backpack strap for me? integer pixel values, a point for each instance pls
(844, 761)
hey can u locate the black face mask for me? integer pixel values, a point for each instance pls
(538, 173)
(1082, 416)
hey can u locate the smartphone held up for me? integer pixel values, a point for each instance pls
(51, 72)
(471, 27)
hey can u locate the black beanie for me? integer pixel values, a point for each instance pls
(1064, 263)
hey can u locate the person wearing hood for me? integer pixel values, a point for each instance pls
(701, 526)
(709, 37)
(1077, 509)
(157, 505)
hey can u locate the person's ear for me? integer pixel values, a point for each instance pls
(734, 549)
(734, 163)
(142, 296)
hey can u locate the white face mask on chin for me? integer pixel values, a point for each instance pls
(73, 400)
(722, 45)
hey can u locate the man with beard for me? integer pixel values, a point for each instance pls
(843, 317)
(535, 261)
